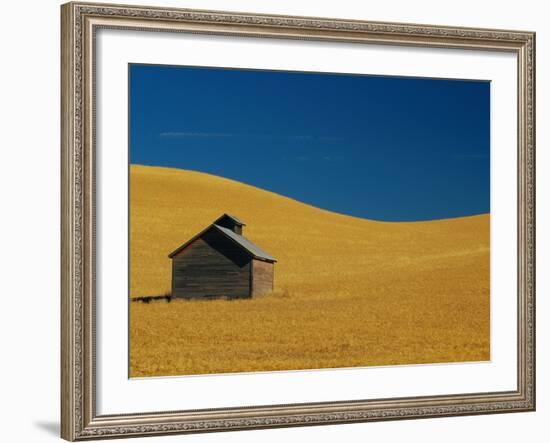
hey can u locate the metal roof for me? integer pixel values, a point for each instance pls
(246, 244)
(256, 251)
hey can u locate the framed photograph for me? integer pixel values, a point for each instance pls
(283, 221)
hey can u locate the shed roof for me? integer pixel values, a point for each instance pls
(255, 250)
(243, 242)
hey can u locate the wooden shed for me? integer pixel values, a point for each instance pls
(220, 262)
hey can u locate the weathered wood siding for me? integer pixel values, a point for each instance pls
(212, 266)
(262, 277)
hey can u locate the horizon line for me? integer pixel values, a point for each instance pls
(309, 204)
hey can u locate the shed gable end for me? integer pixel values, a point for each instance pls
(211, 266)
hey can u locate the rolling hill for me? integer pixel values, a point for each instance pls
(349, 291)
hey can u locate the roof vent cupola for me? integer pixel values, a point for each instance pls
(230, 222)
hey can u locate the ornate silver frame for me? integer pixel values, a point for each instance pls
(80, 21)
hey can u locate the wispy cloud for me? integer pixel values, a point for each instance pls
(314, 157)
(300, 137)
(471, 156)
(195, 134)
(291, 137)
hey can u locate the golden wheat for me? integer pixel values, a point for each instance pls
(349, 291)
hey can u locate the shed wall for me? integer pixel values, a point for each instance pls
(262, 277)
(212, 266)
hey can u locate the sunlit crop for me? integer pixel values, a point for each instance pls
(348, 291)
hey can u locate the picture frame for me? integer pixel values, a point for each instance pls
(80, 22)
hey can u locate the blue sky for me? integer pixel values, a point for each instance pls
(384, 148)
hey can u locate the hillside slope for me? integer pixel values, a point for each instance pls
(416, 292)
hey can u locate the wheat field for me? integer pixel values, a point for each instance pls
(348, 291)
